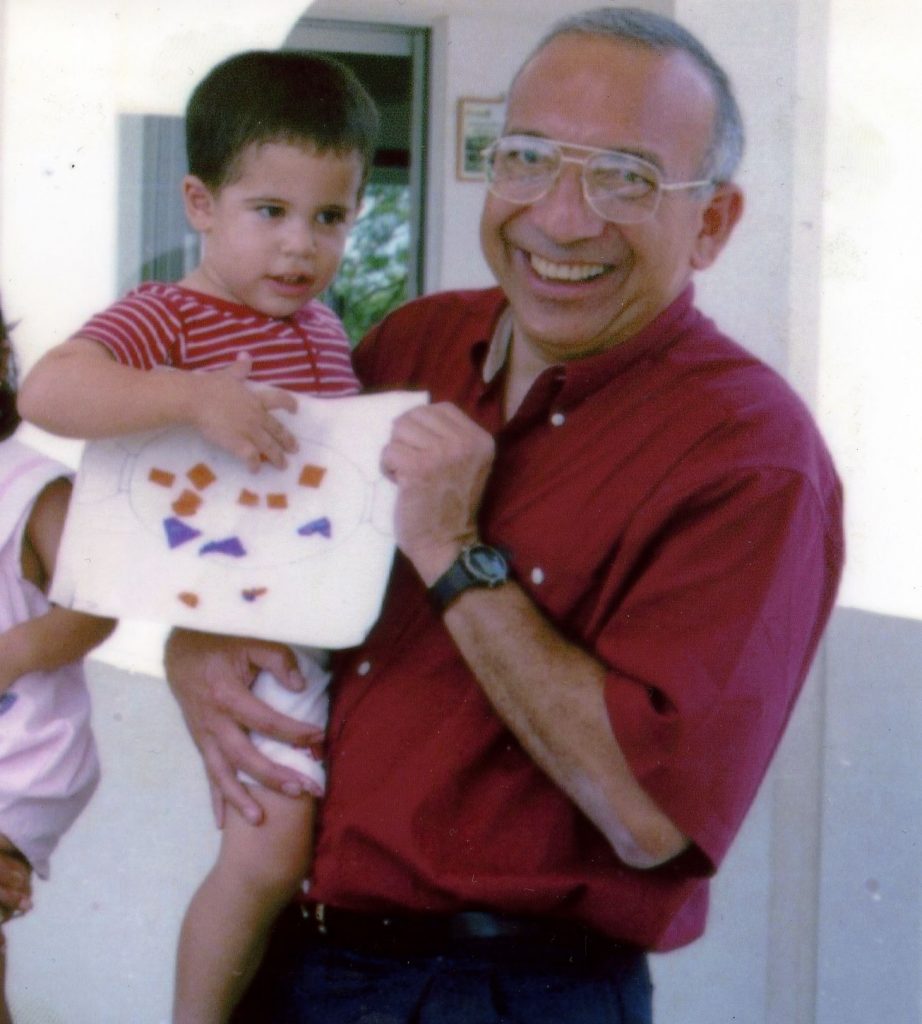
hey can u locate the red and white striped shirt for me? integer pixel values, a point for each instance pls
(168, 325)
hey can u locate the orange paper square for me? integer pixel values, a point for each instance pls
(161, 477)
(187, 504)
(311, 476)
(201, 476)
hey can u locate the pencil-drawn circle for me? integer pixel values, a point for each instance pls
(96, 484)
(249, 520)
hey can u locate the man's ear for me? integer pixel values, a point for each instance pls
(198, 200)
(718, 220)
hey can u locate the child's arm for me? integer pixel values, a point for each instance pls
(79, 390)
(15, 882)
(60, 636)
(56, 638)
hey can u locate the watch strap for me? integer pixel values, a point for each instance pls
(464, 574)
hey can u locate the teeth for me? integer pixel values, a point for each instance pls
(566, 271)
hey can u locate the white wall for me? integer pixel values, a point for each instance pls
(68, 71)
(871, 375)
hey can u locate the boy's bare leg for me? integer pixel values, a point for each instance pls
(223, 937)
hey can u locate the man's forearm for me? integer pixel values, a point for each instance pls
(549, 692)
(551, 695)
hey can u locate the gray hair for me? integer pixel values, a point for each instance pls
(663, 34)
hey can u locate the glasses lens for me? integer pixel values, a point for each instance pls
(620, 187)
(522, 169)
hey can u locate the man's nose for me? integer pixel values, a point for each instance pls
(564, 213)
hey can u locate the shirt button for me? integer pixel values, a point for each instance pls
(537, 575)
(364, 668)
(558, 419)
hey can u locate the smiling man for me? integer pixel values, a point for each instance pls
(621, 539)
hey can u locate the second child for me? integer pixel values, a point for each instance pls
(280, 145)
(48, 762)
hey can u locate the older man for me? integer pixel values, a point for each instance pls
(620, 540)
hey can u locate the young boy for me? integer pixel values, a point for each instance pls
(279, 147)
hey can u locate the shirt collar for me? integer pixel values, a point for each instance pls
(498, 349)
(581, 377)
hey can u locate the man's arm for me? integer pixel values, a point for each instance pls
(440, 461)
(551, 695)
(79, 390)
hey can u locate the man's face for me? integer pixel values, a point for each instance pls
(578, 284)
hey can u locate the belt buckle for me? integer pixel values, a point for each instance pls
(320, 918)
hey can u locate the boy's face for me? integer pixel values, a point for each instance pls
(274, 235)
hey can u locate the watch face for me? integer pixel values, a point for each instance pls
(486, 563)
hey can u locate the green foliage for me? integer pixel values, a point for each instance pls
(372, 279)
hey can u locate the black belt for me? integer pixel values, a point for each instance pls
(472, 932)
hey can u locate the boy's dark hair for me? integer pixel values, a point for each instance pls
(9, 417)
(276, 96)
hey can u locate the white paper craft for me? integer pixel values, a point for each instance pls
(167, 528)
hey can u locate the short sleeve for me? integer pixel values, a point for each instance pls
(712, 642)
(141, 330)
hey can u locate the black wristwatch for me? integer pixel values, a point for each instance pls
(478, 565)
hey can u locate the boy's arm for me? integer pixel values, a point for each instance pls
(79, 390)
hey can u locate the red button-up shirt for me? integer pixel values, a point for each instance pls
(671, 507)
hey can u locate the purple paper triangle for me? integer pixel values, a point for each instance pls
(178, 532)
(322, 526)
(229, 546)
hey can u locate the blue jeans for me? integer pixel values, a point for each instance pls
(303, 981)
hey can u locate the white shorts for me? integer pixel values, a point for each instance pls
(310, 706)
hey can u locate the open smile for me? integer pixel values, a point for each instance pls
(569, 273)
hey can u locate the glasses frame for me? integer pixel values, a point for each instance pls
(590, 151)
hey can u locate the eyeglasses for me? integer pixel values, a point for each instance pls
(620, 187)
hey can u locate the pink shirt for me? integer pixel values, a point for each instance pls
(671, 507)
(48, 763)
(168, 325)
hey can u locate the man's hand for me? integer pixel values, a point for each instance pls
(210, 677)
(440, 460)
(239, 419)
(15, 882)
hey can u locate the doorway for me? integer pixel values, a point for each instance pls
(383, 264)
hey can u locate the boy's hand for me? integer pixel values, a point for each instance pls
(239, 419)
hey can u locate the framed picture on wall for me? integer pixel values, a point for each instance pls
(480, 121)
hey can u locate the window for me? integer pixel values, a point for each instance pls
(382, 267)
